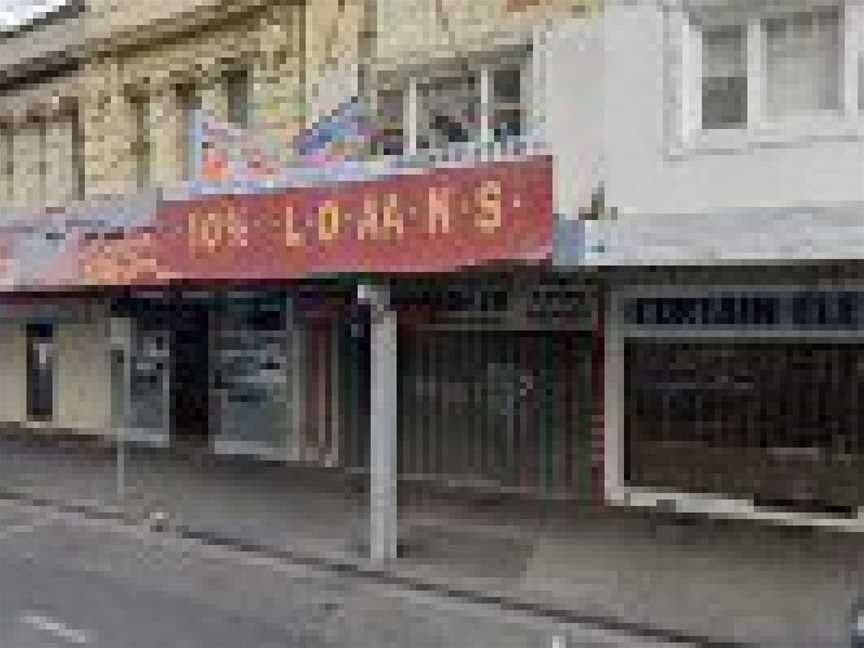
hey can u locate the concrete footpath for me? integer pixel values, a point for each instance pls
(678, 579)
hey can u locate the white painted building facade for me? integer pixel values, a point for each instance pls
(733, 168)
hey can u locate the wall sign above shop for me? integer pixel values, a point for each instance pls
(838, 310)
(532, 305)
(439, 220)
(436, 221)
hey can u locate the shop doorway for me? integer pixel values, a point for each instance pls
(254, 377)
(495, 409)
(190, 372)
(40, 372)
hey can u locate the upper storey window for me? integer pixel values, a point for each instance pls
(766, 68)
(724, 77)
(508, 103)
(802, 62)
(448, 111)
(391, 122)
(237, 87)
(480, 103)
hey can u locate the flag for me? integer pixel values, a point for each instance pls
(345, 134)
(226, 154)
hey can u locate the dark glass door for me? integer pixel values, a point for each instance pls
(40, 371)
(252, 359)
(190, 376)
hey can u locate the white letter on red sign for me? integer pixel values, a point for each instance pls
(392, 220)
(439, 210)
(328, 221)
(293, 238)
(368, 225)
(489, 204)
(205, 230)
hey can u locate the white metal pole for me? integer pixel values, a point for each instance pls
(383, 457)
(410, 116)
(121, 463)
(121, 342)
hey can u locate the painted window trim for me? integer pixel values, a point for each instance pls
(67, 11)
(408, 83)
(685, 136)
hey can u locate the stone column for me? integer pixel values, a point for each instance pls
(278, 110)
(166, 137)
(108, 130)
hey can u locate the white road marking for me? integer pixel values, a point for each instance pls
(56, 628)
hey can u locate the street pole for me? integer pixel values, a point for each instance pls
(121, 463)
(383, 522)
(121, 346)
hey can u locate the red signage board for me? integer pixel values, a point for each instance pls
(433, 221)
(437, 221)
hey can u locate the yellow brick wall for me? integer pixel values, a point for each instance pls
(418, 31)
(332, 37)
(268, 43)
(48, 102)
(278, 93)
(303, 61)
(114, 18)
(60, 177)
(165, 134)
(26, 170)
(13, 372)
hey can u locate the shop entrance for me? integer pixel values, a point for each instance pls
(254, 407)
(495, 409)
(40, 372)
(190, 341)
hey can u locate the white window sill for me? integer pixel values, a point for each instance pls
(792, 133)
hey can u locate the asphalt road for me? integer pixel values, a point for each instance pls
(70, 581)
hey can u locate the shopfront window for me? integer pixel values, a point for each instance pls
(252, 377)
(148, 380)
(745, 417)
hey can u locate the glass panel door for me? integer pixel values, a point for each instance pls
(40, 372)
(148, 381)
(251, 380)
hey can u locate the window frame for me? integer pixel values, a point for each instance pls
(140, 105)
(700, 89)
(236, 77)
(189, 103)
(484, 67)
(684, 72)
